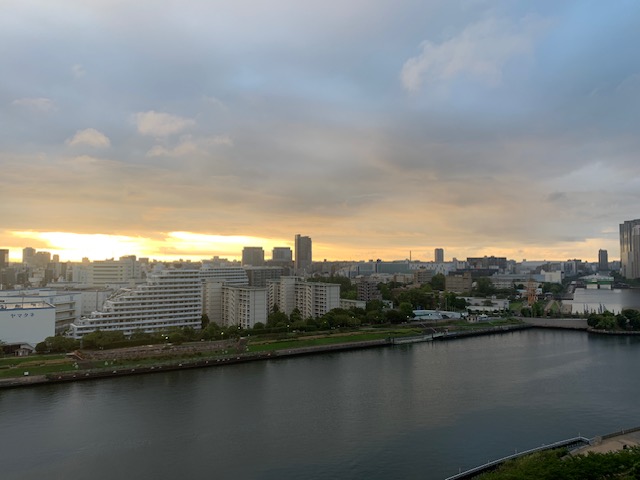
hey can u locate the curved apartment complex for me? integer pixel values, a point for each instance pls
(170, 298)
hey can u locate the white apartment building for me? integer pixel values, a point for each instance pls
(244, 306)
(169, 298)
(313, 299)
(234, 305)
(228, 275)
(107, 272)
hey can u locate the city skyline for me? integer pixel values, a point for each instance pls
(195, 129)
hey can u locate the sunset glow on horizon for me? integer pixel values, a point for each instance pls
(380, 130)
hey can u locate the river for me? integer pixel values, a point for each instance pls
(412, 411)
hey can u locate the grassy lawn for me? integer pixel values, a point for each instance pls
(35, 365)
(44, 364)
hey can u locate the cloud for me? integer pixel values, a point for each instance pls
(90, 137)
(158, 124)
(481, 51)
(190, 145)
(35, 103)
(214, 102)
(78, 71)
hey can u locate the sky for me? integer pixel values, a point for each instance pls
(384, 129)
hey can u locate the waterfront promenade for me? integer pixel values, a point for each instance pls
(577, 446)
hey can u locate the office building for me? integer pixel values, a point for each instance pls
(439, 255)
(630, 249)
(303, 254)
(27, 254)
(281, 255)
(253, 256)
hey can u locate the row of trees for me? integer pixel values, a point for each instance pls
(626, 320)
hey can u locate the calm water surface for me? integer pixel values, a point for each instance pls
(419, 411)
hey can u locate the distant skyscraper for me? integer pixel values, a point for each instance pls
(27, 254)
(281, 254)
(630, 249)
(4, 258)
(439, 255)
(303, 258)
(603, 260)
(253, 256)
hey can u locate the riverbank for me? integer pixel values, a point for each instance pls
(114, 370)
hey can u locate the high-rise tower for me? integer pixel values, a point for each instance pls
(253, 256)
(603, 260)
(630, 249)
(439, 255)
(303, 258)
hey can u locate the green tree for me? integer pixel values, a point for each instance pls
(484, 287)
(276, 317)
(438, 282)
(102, 339)
(406, 309)
(374, 306)
(633, 316)
(394, 316)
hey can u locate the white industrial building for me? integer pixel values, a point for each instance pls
(26, 322)
(68, 305)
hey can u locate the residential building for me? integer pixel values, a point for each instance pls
(258, 276)
(234, 305)
(423, 276)
(458, 283)
(367, 290)
(244, 306)
(304, 256)
(312, 299)
(107, 272)
(438, 255)
(253, 256)
(233, 275)
(169, 298)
